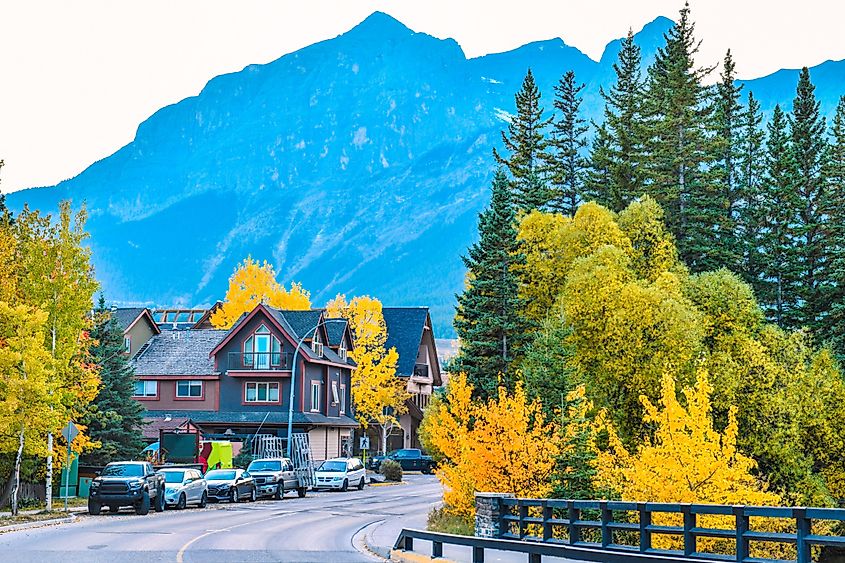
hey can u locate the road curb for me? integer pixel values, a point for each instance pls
(37, 524)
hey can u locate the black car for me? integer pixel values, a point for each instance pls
(411, 459)
(230, 484)
(127, 483)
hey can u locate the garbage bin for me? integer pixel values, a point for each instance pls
(84, 486)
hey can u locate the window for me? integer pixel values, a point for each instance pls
(316, 345)
(262, 350)
(335, 398)
(127, 343)
(146, 389)
(342, 350)
(315, 396)
(343, 399)
(261, 392)
(189, 389)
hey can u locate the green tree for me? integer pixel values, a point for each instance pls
(679, 146)
(833, 329)
(751, 218)
(487, 318)
(616, 175)
(546, 367)
(113, 419)
(526, 143)
(567, 165)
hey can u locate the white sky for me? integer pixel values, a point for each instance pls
(76, 78)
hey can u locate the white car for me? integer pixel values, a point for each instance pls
(183, 487)
(340, 473)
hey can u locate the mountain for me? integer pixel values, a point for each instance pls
(355, 165)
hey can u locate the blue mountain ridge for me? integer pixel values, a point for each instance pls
(356, 165)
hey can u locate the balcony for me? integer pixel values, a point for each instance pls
(259, 361)
(421, 371)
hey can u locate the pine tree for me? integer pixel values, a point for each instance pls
(777, 291)
(114, 418)
(834, 326)
(727, 115)
(487, 318)
(750, 170)
(679, 114)
(567, 165)
(807, 132)
(621, 154)
(526, 142)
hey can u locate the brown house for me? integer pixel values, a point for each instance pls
(138, 327)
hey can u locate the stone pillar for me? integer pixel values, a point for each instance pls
(487, 512)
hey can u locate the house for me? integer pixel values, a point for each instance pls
(409, 331)
(237, 382)
(138, 327)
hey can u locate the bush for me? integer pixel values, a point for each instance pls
(440, 520)
(391, 470)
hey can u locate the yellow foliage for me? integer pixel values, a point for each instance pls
(504, 445)
(253, 283)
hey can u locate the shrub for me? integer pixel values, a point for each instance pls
(391, 470)
(441, 520)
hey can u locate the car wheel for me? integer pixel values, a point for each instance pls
(233, 495)
(426, 470)
(93, 508)
(361, 484)
(253, 496)
(280, 492)
(142, 507)
(204, 500)
(160, 504)
(345, 486)
(301, 492)
(183, 502)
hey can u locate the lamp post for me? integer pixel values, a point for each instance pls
(293, 378)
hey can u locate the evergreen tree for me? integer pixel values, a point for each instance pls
(679, 146)
(727, 150)
(750, 170)
(487, 318)
(807, 132)
(834, 326)
(526, 142)
(621, 154)
(114, 418)
(567, 165)
(546, 368)
(778, 292)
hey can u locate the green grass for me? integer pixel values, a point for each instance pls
(26, 518)
(439, 520)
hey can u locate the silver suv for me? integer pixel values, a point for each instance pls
(273, 477)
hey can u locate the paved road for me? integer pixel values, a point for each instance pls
(319, 528)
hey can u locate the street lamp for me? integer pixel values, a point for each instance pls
(293, 378)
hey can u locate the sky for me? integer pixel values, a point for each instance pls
(77, 78)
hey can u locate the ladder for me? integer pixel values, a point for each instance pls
(267, 446)
(302, 460)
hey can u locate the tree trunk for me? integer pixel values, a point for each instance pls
(16, 475)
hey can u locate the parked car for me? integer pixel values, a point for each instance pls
(127, 483)
(230, 484)
(340, 473)
(183, 487)
(410, 459)
(275, 476)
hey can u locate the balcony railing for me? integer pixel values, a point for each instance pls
(421, 371)
(260, 361)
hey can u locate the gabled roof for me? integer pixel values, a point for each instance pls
(405, 327)
(205, 320)
(182, 352)
(301, 322)
(127, 316)
(335, 330)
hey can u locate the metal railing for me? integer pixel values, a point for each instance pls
(261, 361)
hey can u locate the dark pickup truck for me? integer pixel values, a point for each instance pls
(410, 459)
(127, 483)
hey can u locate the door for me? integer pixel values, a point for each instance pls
(290, 476)
(262, 349)
(196, 487)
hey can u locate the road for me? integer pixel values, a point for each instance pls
(318, 528)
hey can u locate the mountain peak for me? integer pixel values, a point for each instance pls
(381, 24)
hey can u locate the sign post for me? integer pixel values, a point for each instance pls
(69, 432)
(364, 445)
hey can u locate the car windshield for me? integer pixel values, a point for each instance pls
(220, 475)
(406, 453)
(173, 476)
(333, 466)
(124, 470)
(265, 466)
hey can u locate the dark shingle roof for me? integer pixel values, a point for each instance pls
(183, 352)
(276, 416)
(301, 322)
(404, 332)
(126, 316)
(335, 331)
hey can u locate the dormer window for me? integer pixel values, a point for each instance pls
(262, 350)
(342, 350)
(316, 345)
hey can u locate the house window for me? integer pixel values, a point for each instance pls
(342, 351)
(127, 343)
(261, 392)
(262, 350)
(343, 399)
(315, 396)
(146, 389)
(335, 398)
(189, 389)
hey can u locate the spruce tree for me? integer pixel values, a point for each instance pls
(527, 146)
(834, 325)
(679, 114)
(778, 288)
(114, 418)
(727, 115)
(620, 153)
(750, 171)
(807, 131)
(567, 165)
(487, 317)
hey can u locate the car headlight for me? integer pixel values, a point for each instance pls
(136, 484)
(95, 484)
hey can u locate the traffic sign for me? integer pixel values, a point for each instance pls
(70, 432)
(365, 443)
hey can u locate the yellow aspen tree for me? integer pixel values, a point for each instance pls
(252, 283)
